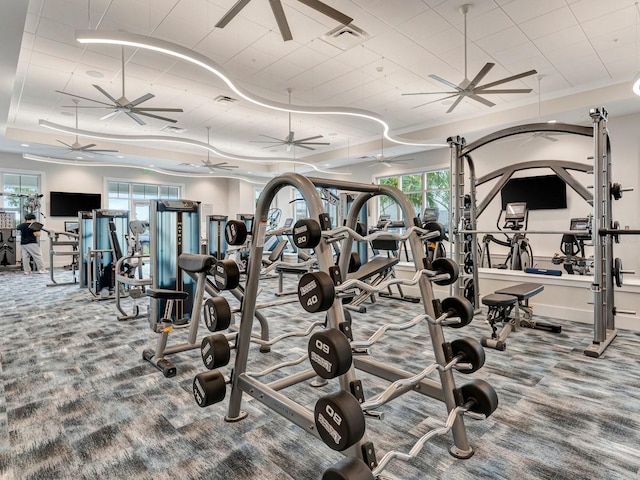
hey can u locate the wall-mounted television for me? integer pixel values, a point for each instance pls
(67, 204)
(546, 192)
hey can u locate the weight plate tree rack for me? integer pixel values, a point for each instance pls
(358, 448)
(602, 287)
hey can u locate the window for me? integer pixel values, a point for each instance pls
(125, 196)
(424, 190)
(19, 194)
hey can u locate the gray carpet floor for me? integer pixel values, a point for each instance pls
(78, 402)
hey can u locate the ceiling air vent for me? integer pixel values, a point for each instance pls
(173, 129)
(224, 99)
(345, 37)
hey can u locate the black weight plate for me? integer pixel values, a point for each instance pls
(435, 227)
(448, 266)
(483, 396)
(217, 314)
(617, 271)
(615, 225)
(349, 468)
(458, 306)
(471, 351)
(316, 292)
(329, 353)
(215, 351)
(354, 262)
(209, 388)
(306, 233)
(235, 232)
(226, 274)
(339, 420)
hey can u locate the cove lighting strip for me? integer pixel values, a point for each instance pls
(80, 163)
(177, 51)
(180, 140)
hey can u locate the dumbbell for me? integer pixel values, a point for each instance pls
(306, 233)
(226, 274)
(435, 227)
(217, 314)
(478, 397)
(349, 468)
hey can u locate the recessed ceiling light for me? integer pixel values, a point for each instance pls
(332, 134)
(249, 172)
(24, 145)
(552, 121)
(78, 158)
(151, 166)
(120, 156)
(94, 74)
(326, 164)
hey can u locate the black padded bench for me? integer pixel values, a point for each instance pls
(501, 305)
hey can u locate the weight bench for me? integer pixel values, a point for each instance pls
(374, 272)
(505, 301)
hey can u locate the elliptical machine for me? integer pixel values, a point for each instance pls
(573, 257)
(520, 257)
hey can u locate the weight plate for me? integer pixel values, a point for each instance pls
(226, 274)
(482, 395)
(339, 420)
(235, 232)
(306, 233)
(349, 468)
(615, 225)
(471, 351)
(217, 314)
(435, 227)
(448, 266)
(215, 351)
(209, 388)
(330, 353)
(617, 271)
(316, 292)
(458, 306)
(354, 262)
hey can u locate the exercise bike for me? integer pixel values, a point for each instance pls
(573, 257)
(520, 257)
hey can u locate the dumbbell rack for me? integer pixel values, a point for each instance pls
(361, 450)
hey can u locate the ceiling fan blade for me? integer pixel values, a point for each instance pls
(65, 144)
(83, 98)
(481, 74)
(328, 11)
(135, 111)
(428, 93)
(507, 79)
(549, 137)
(269, 136)
(231, 13)
(85, 147)
(157, 109)
(141, 99)
(110, 115)
(434, 101)
(301, 145)
(506, 90)
(306, 139)
(454, 104)
(281, 19)
(481, 100)
(106, 94)
(135, 118)
(446, 82)
(99, 150)
(106, 105)
(299, 142)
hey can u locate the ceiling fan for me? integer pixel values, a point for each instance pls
(216, 166)
(381, 159)
(77, 147)
(546, 135)
(281, 19)
(289, 140)
(124, 105)
(470, 88)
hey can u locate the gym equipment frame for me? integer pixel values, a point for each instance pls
(604, 330)
(358, 449)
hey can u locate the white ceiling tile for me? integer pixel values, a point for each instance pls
(423, 26)
(502, 40)
(549, 23)
(611, 22)
(487, 23)
(523, 10)
(390, 14)
(560, 39)
(585, 10)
